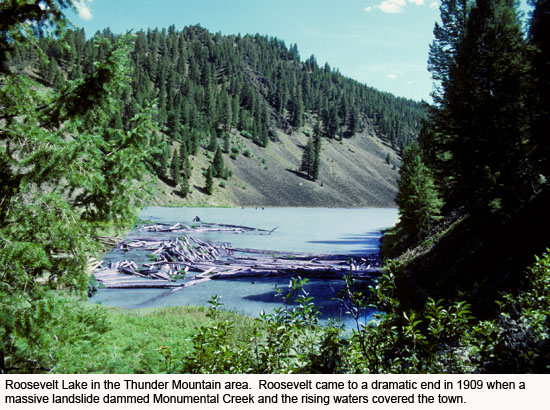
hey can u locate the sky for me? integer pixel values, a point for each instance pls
(382, 43)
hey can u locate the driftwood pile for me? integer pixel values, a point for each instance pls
(174, 258)
(203, 227)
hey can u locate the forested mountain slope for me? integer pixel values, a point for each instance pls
(255, 99)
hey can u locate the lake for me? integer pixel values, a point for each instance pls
(311, 230)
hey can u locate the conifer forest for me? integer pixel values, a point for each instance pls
(96, 126)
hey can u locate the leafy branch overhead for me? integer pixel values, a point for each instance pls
(65, 169)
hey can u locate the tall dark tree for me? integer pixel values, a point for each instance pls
(417, 198)
(308, 157)
(297, 113)
(175, 168)
(218, 166)
(91, 178)
(454, 16)
(539, 38)
(185, 187)
(209, 181)
(317, 147)
(485, 160)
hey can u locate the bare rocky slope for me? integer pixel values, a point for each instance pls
(353, 173)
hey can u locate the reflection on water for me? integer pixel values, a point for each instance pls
(314, 230)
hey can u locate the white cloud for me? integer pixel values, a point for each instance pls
(434, 4)
(391, 76)
(83, 9)
(393, 6)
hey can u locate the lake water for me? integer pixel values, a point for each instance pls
(311, 230)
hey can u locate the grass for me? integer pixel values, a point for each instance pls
(136, 340)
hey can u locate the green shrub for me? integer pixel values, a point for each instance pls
(246, 134)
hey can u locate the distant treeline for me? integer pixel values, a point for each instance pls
(209, 84)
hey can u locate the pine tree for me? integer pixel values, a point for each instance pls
(213, 144)
(226, 143)
(92, 178)
(307, 158)
(218, 166)
(355, 121)
(484, 161)
(297, 109)
(539, 38)
(165, 157)
(417, 198)
(185, 187)
(175, 168)
(209, 181)
(317, 146)
(183, 159)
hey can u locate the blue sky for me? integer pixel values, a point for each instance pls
(383, 43)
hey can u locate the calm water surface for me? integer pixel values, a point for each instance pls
(312, 230)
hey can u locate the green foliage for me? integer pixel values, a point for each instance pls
(442, 337)
(218, 165)
(65, 169)
(184, 187)
(212, 352)
(38, 335)
(419, 205)
(209, 181)
(518, 340)
(288, 340)
(307, 158)
(481, 61)
(164, 336)
(539, 40)
(175, 168)
(226, 143)
(491, 174)
(311, 157)
(207, 84)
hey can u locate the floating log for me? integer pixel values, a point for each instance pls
(222, 261)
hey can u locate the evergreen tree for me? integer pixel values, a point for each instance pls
(484, 161)
(308, 157)
(447, 35)
(297, 109)
(165, 157)
(317, 145)
(226, 143)
(175, 168)
(331, 121)
(218, 166)
(355, 121)
(213, 144)
(311, 157)
(209, 181)
(419, 205)
(91, 178)
(185, 187)
(539, 38)
(183, 158)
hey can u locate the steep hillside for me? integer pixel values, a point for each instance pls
(353, 173)
(260, 104)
